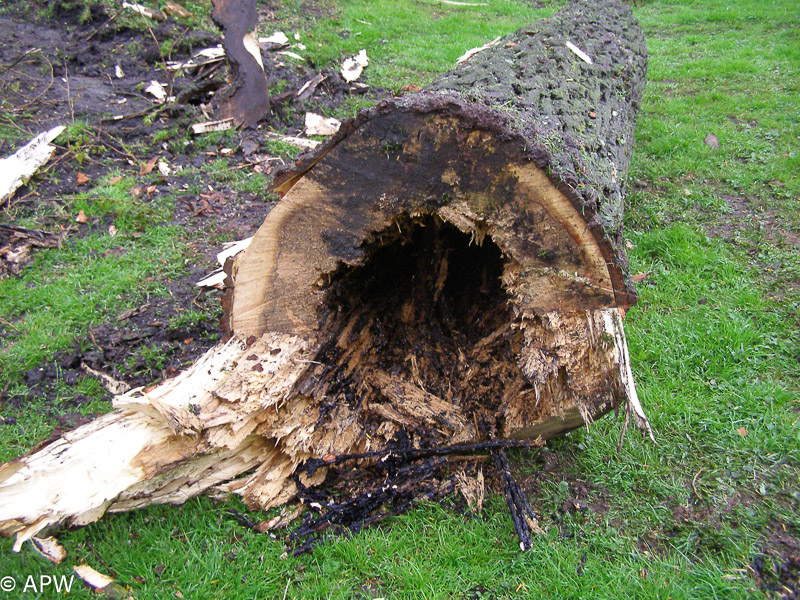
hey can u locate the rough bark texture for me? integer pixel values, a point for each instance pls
(447, 269)
(578, 117)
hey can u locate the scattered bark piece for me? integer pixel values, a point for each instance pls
(308, 88)
(472, 488)
(297, 142)
(156, 90)
(274, 41)
(204, 57)
(17, 243)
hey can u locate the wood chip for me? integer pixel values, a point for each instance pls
(156, 15)
(114, 386)
(297, 142)
(209, 126)
(293, 55)
(17, 169)
(173, 9)
(310, 85)
(579, 53)
(92, 578)
(473, 51)
(276, 40)
(354, 66)
(156, 90)
(319, 125)
(206, 56)
(50, 549)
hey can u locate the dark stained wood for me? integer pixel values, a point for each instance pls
(247, 102)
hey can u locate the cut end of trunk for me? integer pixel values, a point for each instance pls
(438, 269)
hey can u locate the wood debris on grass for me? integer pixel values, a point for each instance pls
(274, 41)
(115, 386)
(17, 243)
(50, 549)
(156, 89)
(17, 169)
(354, 66)
(156, 15)
(100, 583)
(172, 8)
(292, 140)
(319, 125)
(308, 88)
(210, 126)
(201, 58)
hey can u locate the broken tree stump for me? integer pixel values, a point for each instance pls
(247, 100)
(450, 258)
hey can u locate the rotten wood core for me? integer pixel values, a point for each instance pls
(441, 272)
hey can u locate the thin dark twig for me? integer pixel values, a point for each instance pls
(512, 494)
(312, 465)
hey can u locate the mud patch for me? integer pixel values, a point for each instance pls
(777, 566)
(140, 347)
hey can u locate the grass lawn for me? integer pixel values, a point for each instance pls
(712, 511)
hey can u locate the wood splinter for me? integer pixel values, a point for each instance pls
(450, 257)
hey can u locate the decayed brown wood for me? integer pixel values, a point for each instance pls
(247, 102)
(447, 259)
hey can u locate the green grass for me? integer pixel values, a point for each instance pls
(401, 53)
(713, 344)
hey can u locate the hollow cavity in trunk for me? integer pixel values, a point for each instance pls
(420, 336)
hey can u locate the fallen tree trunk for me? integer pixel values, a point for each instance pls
(448, 269)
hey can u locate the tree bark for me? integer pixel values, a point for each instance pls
(449, 267)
